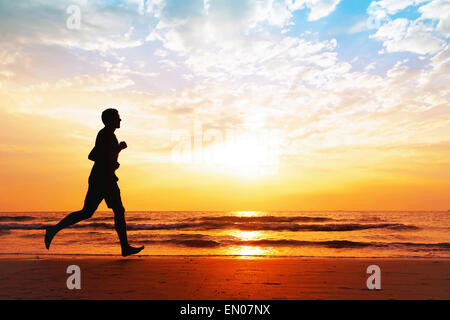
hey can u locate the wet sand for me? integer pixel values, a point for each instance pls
(205, 278)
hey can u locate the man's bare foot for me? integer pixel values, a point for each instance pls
(131, 250)
(49, 234)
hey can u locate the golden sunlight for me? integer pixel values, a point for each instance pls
(247, 235)
(248, 156)
(247, 251)
(247, 213)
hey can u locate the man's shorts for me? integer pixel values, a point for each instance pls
(99, 191)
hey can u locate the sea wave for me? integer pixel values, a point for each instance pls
(16, 218)
(334, 244)
(247, 226)
(240, 219)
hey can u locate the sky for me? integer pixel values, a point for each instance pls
(228, 104)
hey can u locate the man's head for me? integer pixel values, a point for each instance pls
(111, 118)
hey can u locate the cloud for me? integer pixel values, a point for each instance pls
(318, 8)
(426, 34)
(99, 82)
(275, 61)
(179, 24)
(240, 74)
(404, 35)
(440, 11)
(102, 27)
(183, 26)
(358, 27)
(14, 63)
(224, 41)
(393, 6)
(317, 105)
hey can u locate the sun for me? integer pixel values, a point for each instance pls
(249, 156)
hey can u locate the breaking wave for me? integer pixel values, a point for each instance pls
(334, 244)
(224, 225)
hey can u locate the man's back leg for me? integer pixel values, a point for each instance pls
(91, 203)
(114, 201)
(121, 229)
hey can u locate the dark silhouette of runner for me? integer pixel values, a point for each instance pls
(102, 184)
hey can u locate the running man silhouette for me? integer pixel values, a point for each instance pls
(102, 184)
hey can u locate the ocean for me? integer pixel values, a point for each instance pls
(393, 234)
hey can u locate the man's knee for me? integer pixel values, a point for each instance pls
(87, 212)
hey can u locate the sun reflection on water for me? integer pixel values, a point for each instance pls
(247, 251)
(247, 213)
(247, 235)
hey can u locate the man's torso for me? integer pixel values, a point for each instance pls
(105, 154)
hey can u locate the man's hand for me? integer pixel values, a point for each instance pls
(123, 145)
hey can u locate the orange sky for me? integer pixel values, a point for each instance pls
(45, 167)
(251, 112)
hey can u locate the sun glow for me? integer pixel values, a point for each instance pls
(247, 251)
(248, 156)
(259, 115)
(247, 235)
(247, 213)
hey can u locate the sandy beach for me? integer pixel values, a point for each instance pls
(205, 278)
